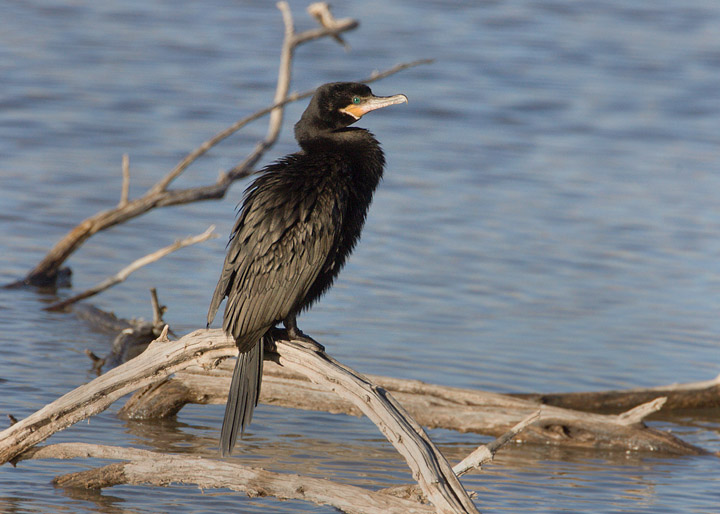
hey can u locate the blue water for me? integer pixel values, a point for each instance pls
(548, 222)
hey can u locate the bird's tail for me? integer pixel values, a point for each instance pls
(243, 395)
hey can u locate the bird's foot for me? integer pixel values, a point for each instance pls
(297, 336)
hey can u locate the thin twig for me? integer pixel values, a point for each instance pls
(377, 75)
(486, 452)
(97, 362)
(637, 414)
(126, 181)
(158, 310)
(121, 275)
(321, 12)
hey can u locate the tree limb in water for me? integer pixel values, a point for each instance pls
(207, 348)
(143, 467)
(45, 273)
(433, 406)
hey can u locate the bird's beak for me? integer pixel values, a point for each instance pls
(357, 111)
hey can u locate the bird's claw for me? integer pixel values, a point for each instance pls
(305, 341)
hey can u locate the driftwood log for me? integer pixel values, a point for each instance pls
(201, 375)
(142, 467)
(431, 405)
(693, 395)
(145, 467)
(207, 348)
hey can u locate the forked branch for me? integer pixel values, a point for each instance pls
(46, 271)
(207, 348)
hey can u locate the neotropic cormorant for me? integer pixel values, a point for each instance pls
(299, 221)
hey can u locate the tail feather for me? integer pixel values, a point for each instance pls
(243, 396)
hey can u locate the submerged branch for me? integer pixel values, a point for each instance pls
(694, 395)
(207, 348)
(433, 406)
(144, 467)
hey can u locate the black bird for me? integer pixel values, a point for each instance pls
(299, 221)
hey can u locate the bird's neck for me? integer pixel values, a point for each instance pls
(359, 151)
(351, 140)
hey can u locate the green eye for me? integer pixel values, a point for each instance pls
(356, 99)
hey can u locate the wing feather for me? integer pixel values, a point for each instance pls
(280, 242)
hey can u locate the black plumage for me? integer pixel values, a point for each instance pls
(299, 221)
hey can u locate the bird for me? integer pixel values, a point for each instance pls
(299, 221)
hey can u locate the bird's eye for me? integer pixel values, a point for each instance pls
(356, 99)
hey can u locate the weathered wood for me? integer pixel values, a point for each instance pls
(429, 467)
(48, 270)
(431, 405)
(124, 273)
(206, 348)
(480, 456)
(133, 336)
(152, 468)
(253, 481)
(162, 358)
(45, 272)
(486, 452)
(694, 395)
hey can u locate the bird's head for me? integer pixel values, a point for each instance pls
(340, 104)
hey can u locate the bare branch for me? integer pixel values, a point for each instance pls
(486, 452)
(153, 468)
(124, 273)
(434, 406)
(126, 181)
(475, 460)
(158, 310)
(378, 75)
(321, 12)
(208, 348)
(46, 271)
(639, 413)
(284, 72)
(427, 464)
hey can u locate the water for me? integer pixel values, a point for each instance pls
(548, 222)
